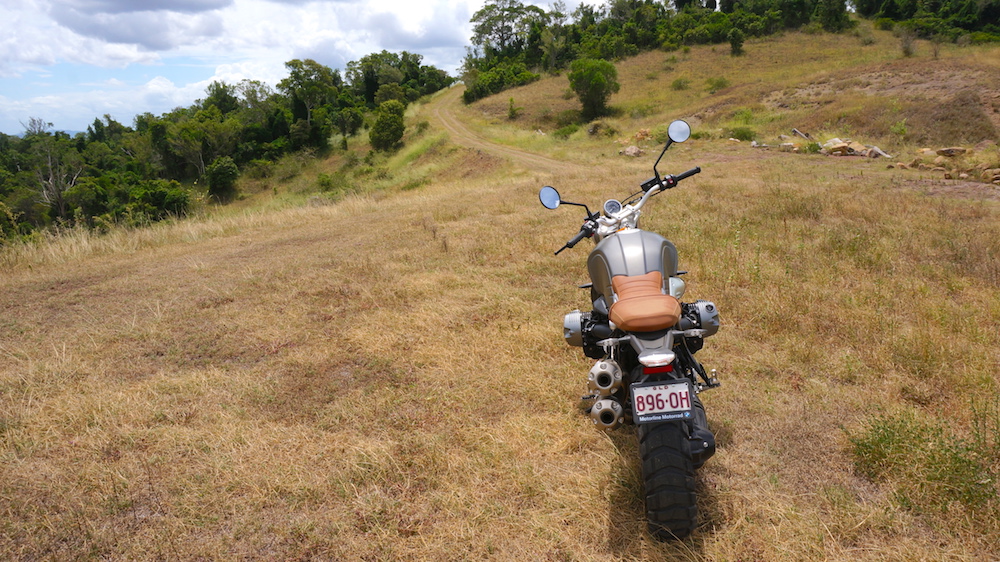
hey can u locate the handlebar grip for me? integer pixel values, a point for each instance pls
(576, 239)
(689, 173)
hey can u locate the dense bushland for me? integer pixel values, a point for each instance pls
(513, 41)
(119, 174)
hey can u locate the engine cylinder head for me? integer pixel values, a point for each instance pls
(708, 316)
(573, 328)
(605, 377)
(607, 414)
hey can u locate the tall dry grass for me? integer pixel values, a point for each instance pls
(383, 378)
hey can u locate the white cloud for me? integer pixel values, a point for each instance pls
(124, 57)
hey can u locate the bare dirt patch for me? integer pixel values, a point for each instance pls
(955, 188)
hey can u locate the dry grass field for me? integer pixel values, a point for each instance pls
(382, 376)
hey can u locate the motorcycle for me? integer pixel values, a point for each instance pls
(644, 339)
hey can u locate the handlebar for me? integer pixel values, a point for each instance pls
(586, 231)
(595, 222)
(689, 173)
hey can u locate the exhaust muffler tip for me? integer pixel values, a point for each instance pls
(605, 377)
(607, 414)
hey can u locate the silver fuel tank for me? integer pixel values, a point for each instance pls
(630, 252)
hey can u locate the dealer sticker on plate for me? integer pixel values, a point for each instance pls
(661, 401)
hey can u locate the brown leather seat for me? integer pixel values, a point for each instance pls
(641, 305)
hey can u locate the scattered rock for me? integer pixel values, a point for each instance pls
(876, 151)
(633, 151)
(985, 145)
(952, 151)
(788, 147)
(839, 149)
(806, 136)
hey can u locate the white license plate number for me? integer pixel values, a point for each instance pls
(661, 401)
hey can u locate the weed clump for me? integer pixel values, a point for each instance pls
(745, 134)
(715, 84)
(928, 466)
(565, 132)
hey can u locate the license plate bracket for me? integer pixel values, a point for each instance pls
(659, 401)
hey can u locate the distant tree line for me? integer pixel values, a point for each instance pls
(113, 173)
(513, 42)
(979, 20)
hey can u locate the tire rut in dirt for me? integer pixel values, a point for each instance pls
(668, 477)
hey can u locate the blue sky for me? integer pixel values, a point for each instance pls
(71, 61)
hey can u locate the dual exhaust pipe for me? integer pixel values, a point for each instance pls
(604, 379)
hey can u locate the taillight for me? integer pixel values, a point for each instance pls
(657, 370)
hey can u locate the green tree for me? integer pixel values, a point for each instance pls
(348, 120)
(391, 91)
(374, 70)
(501, 28)
(388, 129)
(311, 84)
(222, 96)
(203, 138)
(56, 165)
(832, 15)
(593, 81)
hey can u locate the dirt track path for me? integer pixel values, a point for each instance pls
(443, 111)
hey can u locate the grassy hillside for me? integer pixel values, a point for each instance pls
(377, 372)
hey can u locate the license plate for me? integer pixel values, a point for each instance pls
(661, 401)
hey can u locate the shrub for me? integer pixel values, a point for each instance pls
(743, 115)
(908, 42)
(222, 174)
(568, 117)
(332, 183)
(736, 39)
(565, 132)
(260, 169)
(680, 84)
(8, 224)
(716, 84)
(898, 128)
(593, 81)
(387, 132)
(499, 78)
(743, 133)
(513, 110)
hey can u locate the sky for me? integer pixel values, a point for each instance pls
(71, 61)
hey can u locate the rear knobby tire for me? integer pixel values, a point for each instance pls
(668, 476)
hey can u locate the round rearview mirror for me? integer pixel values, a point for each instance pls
(549, 197)
(679, 131)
